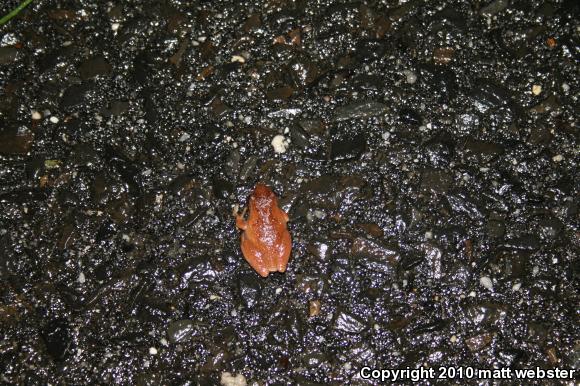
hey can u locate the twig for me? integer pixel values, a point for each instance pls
(14, 12)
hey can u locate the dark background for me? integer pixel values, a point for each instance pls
(432, 195)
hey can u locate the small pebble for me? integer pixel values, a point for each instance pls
(558, 158)
(565, 87)
(81, 279)
(410, 75)
(36, 115)
(115, 26)
(229, 379)
(280, 144)
(54, 119)
(314, 307)
(536, 89)
(238, 59)
(486, 282)
(152, 351)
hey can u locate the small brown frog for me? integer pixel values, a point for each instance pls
(266, 242)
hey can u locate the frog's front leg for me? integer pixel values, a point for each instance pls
(241, 223)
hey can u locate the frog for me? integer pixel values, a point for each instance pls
(265, 240)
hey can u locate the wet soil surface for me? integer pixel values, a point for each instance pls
(427, 155)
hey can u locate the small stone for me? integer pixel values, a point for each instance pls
(280, 144)
(565, 87)
(54, 119)
(180, 330)
(347, 149)
(348, 323)
(229, 379)
(314, 308)
(536, 89)
(443, 55)
(478, 342)
(359, 110)
(152, 351)
(36, 116)
(81, 279)
(249, 290)
(115, 26)
(238, 59)
(486, 282)
(410, 76)
(558, 158)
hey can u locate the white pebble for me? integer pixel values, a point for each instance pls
(229, 379)
(565, 87)
(152, 351)
(81, 279)
(36, 116)
(280, 144)
(54, 119)
(238, 59)
(410, 75)
(184, 137)
(428, 235)
(558, 158)
(536, 89)
(115, 26)
(278, 291)
(516, 287)
(486, 282)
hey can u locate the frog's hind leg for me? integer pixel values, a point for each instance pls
(254, 257)
(282, 261)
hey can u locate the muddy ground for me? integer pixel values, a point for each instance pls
(428, 160)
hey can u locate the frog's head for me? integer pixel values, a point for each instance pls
(262, 198)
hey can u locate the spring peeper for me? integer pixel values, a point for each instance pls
(266, 242)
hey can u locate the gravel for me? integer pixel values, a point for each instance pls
(426, 152)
